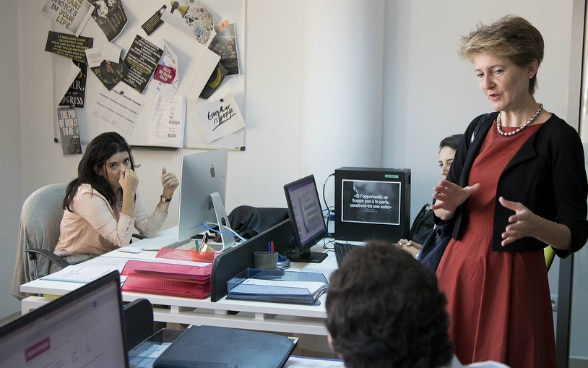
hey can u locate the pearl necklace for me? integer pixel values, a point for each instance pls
(508, 134)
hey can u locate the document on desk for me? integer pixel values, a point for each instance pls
(277, 286)
(269, 286)
(87, 271)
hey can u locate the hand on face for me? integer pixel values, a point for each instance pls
(128, 181)
(170, 182)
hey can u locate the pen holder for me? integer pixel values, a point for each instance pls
(265, 260)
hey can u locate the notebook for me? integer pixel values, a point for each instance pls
(83, 328)
(224, 347)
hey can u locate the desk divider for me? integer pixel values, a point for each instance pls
(240, 257)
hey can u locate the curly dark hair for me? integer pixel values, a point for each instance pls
(98, 151)
(384, 309)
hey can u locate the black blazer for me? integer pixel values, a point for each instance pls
(547, 175)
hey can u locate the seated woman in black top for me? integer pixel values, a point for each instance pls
(423, 222)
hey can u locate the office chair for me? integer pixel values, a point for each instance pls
(38, 234)
(549, 255)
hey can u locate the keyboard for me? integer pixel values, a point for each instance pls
(342, 249)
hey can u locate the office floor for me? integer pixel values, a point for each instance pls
(4, 320)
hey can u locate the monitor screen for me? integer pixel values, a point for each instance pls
(202, 173)
(372, 203)
(83, 328)
(306, 217)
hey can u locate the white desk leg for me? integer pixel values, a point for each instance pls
(31, 303)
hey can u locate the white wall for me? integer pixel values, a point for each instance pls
(416, 85)
(11, 173)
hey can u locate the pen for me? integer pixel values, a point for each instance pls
(269, 247)
(272, 242)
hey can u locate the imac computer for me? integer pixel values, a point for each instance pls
(83, 328)
(372, 203)
(202, 194)
(306, 217)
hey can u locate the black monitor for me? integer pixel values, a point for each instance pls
(306, 217)
(83, 328)
(372, 203)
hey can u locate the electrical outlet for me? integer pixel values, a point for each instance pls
(554, 302)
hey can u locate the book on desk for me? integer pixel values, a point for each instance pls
(209, 346)
(278, 286)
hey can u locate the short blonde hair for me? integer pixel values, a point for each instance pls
(512, 37)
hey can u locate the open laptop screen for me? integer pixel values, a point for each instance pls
(83, 328)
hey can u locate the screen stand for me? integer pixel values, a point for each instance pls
(307, 257)
(222, 220)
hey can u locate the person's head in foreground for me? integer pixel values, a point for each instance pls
(384, 310)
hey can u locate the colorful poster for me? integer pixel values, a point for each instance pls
(69, 130)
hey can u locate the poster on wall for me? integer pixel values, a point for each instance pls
(110, 16)
(220, 118)
(141, 61)
(69, 130)
(71, 15)
(183, 70)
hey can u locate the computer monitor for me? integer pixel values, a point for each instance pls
(306, 217)
(202, 194)
(83, 328)
(372, 203)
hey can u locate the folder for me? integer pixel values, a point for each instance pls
(210, 346)
(190, 255)
(189, 281)
(278, 286)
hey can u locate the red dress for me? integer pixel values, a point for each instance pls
(498, 302)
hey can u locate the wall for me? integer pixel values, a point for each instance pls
(297, 60)
(10, 151)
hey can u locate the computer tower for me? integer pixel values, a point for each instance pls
(372, 203)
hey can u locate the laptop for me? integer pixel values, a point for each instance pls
(83, 328)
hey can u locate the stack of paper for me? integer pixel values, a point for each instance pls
(278, 286)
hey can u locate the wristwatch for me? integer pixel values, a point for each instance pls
(165, 200)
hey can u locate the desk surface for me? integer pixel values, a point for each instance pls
(276, 317)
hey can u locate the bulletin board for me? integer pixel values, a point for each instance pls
(137, 13)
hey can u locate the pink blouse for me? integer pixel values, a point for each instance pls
(94, 227)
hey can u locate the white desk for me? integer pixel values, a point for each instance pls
(273, 317)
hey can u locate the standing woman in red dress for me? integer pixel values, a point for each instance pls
(517, 184)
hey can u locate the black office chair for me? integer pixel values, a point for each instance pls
(138, 321)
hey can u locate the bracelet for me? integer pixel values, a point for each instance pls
(164, 200)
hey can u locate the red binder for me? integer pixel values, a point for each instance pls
(186, 255)
(188, 281)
